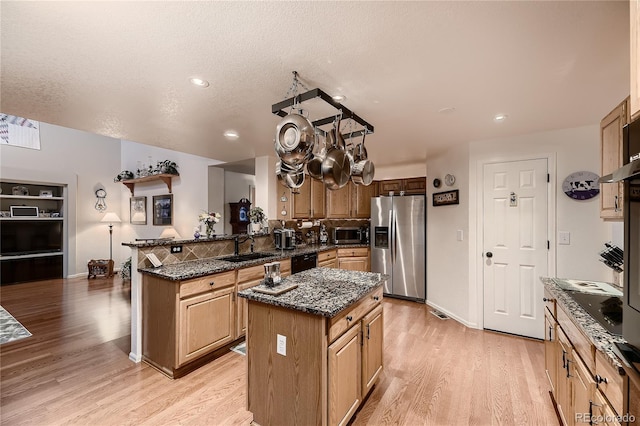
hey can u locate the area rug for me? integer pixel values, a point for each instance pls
(10, 328)
(240, 348)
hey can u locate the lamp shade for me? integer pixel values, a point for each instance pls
(169, 233)
(111, 217)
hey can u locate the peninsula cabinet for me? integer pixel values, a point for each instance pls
(611, 194)
(185, 320)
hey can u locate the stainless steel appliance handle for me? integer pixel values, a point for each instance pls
(395, 237)
(390, 233)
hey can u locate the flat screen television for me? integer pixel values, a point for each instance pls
(28, 237)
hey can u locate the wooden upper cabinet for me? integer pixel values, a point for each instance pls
(310, 202)
(410, 186)
(634, 15)
(611, 159)
(339, 202)
(361, 200)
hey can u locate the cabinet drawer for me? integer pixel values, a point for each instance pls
(210, 282)
(612, 389)
(578, 340)
(326, 255)
(353, 252)
(345, 320)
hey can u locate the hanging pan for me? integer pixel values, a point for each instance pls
(336, 166)
(294, 139)
(364, 169)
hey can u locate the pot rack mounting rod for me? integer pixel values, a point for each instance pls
(279, 109)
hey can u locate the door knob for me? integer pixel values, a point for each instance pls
(489, 254)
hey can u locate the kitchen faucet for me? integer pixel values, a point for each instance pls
(237, 242)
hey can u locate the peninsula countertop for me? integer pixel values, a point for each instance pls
(601, 338)
(201, 267)
(321, 291)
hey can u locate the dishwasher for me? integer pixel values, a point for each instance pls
(302, 262)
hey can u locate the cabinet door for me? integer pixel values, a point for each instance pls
(394, 185)
(415, 186)
(354, 263)
(372, 338)
(302, 201)
(206, 323)
(344, 370)
(339, 203)
(318, 196)
(563, 386)
(333, 263)
(582, 385)
(602, 410)
(550, 350)
(242, 307)
(361, 199)
(611, 159)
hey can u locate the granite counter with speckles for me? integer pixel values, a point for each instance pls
(201, 267)
(601, 338)
(321, 291)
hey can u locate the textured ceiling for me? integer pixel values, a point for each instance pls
(122, 69)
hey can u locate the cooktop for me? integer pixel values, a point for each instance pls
(606, 309)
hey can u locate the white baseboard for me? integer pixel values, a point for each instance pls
(84, 274)
(452, 315)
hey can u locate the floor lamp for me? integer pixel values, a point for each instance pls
(111, 218)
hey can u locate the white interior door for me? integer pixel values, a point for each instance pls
(515, 246)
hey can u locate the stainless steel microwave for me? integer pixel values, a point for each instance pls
(347, 235)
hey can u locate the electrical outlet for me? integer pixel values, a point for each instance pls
(281, 347)
(176, 249)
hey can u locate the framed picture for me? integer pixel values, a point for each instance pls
(138, 210)
(446, 198)
(163, 209)
(46, 193)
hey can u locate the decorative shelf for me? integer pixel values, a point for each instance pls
(131, 183)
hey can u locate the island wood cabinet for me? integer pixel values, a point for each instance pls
(581, 378)
(611, 194)
(329, 367)
(350, 201)
(251, 277)
(309, 203)
(354, 259)
(185, 320)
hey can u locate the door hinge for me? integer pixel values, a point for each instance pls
(548, 245)
(548, 178)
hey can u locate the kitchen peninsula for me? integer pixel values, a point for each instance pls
(314, 352)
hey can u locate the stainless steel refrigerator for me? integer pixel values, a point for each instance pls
(398, 244)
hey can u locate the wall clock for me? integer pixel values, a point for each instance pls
(581, 185)
(436, 183)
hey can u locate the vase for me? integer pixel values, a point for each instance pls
(210, 232)
(256, 227)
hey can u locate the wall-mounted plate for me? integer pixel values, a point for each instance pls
(581, 185)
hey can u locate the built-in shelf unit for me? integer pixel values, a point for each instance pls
(32, 234)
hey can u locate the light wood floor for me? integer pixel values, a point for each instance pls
(75, 369)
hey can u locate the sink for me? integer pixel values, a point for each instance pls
(246, 256)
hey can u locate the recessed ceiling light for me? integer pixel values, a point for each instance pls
(231, 134)
(447, 110)
(499, 118)
(339, 98)
(199, 82)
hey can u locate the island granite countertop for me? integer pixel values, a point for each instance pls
(601, 338)
(201, 267)
(321, 291)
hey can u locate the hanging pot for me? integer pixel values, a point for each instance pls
(290, 176)
(314, 166)
(336, 166)
(294, 139)
(360, 152)
(362, 172)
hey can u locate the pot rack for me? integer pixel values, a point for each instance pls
(279, 109)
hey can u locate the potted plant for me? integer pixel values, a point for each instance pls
(257, 217)
(168, 167)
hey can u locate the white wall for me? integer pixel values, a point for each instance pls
(190, 191)
(400, 171)
(448, 258)
(267, 185)
(216, 196)
(236, 186)
(85, 162)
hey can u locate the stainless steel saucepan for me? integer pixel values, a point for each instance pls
(336, 166)
(290, 176)
(314, 166)
(294, 139)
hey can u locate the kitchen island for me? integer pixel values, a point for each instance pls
(314, 352)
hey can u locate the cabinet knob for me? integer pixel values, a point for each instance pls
(349, 318)
(544, 299)
(376, 298)
(599, 379)
(212, 283)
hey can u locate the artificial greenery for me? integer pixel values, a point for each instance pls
(256, 215)
(125, 270)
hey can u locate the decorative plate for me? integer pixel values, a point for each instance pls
(581, 185)
(449, 180)
(436, 183)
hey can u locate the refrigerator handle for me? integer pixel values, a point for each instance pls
(395, 238)
(390, 239)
